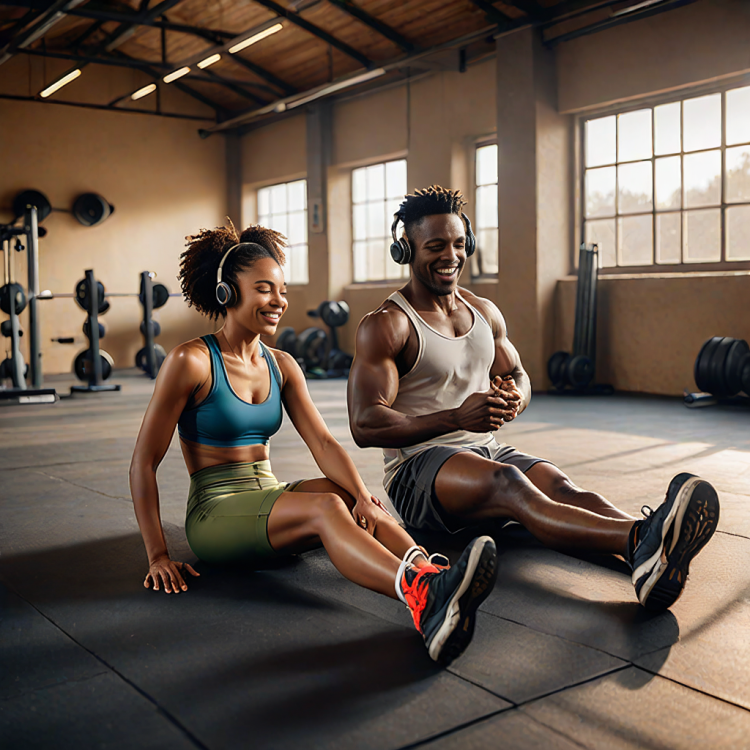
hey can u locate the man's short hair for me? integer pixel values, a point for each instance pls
(426, 202)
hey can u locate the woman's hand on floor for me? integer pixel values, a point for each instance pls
(168, 573)
(367, 511)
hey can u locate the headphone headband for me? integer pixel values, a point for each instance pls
(401, 248)
(226, 255)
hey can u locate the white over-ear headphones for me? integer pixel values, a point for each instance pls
(226, 294)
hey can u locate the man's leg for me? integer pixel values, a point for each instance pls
(474, 488)
(557, 486)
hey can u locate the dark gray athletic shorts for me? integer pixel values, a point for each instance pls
(412, 490)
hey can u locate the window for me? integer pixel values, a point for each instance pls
(485, 260)
(283, 207)
(377, 191)
(670, 184)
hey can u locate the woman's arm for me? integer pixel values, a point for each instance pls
(182, 373)
(331, 458)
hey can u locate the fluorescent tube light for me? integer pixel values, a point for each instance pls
(255, 38)
(145, 91)
(209, 61)
(345, 84)
(58, 84)
(175, 74)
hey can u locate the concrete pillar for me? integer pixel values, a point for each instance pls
(534, 189)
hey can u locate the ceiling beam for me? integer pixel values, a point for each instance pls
(311, 28)
(531, 8)
(381, 28)
(44, 22)
(127, 29)
(493, 14)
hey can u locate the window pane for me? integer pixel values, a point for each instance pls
(278, 199)
(280, 224)
(296, 195)
(390, 211)
(359, 185)
(667, 128)
(702, 174)
(668, 183)
(701, 236)
(668, 238)
(738, 233)
(376, 259)
(359, 222)
(702, 122)
(395, 179)
(600, 141)
(376, 182)
(602, 233)
(374, 219)
(264, 205)
(300, 259)
(636, 240)
(487, 250)
(487, 165)
(264, 220)
(738, 115)
(297, 228)
(487, 207)
(360, 261)
(600, 191)
(634, 186)
(634, 135)
(738, 173)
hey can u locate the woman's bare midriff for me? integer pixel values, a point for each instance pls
(199, 456)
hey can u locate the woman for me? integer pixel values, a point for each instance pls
(225, 392)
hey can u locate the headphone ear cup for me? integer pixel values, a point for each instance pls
(401, 251)
(225, 294)
(471, 240)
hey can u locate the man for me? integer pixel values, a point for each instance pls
(433, 379)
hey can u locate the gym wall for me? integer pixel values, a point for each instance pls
(651, 326)
(162, 179)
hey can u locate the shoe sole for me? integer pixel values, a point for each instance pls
(692, 521)
(450, 641)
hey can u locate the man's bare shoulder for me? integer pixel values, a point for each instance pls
(387, 326)
(487, 307)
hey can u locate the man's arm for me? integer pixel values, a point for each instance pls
(373, 387)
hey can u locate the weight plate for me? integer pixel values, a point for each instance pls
(87, 330)
(6, 328)
(701, 371)
(716, 367)
(154, 325)
(12, 294)
(82, 365)
(82, 296)
(287, 341)
(141, 359)
(311, 346)
(161, 296)
(556, 368)
(91, 209)
(32, 198)
(738, 350)
(580, 371)
(334, 314)
(5, 369)
(745, 374)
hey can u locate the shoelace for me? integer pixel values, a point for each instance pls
(422, 583)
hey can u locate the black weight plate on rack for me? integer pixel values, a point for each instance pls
(580, 371)
(556, 368)
(82, 364)
(87, 330)
(287, 341)
(701, 371)
(311, 346)
(12, 294)
(745, 374)
(155, 326)
(32, 198)
(716, 366)
(141, 359)
(738, 350)
(334, 314)
(6, 328)
(82, 297)
(161, 296)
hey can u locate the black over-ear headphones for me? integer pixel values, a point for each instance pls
(226, 294)
(401, 249)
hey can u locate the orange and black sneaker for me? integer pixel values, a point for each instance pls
(444, 601)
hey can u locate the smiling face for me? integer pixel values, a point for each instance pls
(262, 293)
(439, 246)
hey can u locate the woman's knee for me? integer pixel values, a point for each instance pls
(329, 505)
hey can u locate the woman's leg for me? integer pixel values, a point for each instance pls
(301, 520)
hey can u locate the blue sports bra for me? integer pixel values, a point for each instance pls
(223, 418)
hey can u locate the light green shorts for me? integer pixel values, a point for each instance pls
(227, 512)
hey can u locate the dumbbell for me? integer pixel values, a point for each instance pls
(6, 329)
(564, 369)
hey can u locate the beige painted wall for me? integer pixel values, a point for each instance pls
(164, 181)
(698, 43)
(650, 329)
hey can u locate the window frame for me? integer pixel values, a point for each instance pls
(651, 102)
(397, 281)
(474, 261)
(257, 189)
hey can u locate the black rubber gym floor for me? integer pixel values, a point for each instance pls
(563, 657)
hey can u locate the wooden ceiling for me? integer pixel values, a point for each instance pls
(321, 40)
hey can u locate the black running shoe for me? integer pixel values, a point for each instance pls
(670, 537)
(444, 601)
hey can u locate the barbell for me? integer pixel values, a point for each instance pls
(722, 367)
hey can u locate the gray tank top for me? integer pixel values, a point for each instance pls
(447, 370)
